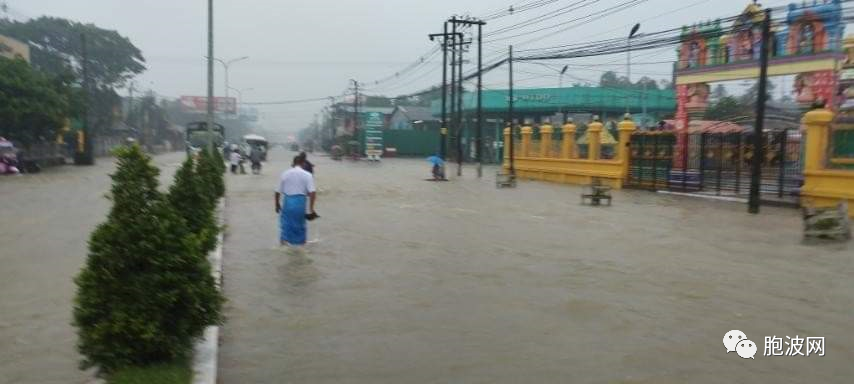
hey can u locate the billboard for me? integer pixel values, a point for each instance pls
(199, 104)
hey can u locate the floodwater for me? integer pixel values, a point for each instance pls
(412, 281)
(45, 222)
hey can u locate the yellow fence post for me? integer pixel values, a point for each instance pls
(507, 139)
(594, 139)
(526, 141)
(568, 149)
(546, 131)
(817, 123)
(625, 128)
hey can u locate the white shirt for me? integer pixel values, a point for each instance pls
(296, 181)
(235, 158)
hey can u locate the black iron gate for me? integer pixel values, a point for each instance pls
(718, 163)
(651, 160)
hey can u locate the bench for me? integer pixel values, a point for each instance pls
(596, 193)
(505, 180)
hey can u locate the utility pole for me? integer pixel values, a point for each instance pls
(443, 129)
(332, 112)
(460, 109)
(356, 114)
(510, 110)
(453, 85)
(479, 113)
(87, 157)
(479, 141)
(758, 142)
(210, 111)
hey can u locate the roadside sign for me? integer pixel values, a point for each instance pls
(374, 123)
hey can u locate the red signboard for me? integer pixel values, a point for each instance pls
(200, 104)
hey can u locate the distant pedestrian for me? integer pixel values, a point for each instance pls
(235, 160)
(307, 165)
(296, 186)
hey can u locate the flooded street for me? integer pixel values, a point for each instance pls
(412, 281)
(46, 222)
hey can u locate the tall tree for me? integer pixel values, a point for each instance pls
(610, 79)
(56, 48)
(651, 84)
(728, 108)
(33, 106)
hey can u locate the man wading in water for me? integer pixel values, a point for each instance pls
(296, 185)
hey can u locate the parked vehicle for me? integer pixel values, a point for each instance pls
(197, 136)
(8, 158)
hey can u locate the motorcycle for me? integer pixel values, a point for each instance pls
(256, 168)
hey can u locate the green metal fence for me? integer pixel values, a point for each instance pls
(412, 143)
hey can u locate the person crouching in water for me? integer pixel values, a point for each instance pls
(438, 167)
(297, 186)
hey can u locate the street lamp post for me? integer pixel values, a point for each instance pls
(629, 60)
(562, 72)
(210, 106)
(226, 65)
(560, 85)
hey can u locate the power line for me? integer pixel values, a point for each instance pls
(547, 16)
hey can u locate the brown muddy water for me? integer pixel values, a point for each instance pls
(419, 282)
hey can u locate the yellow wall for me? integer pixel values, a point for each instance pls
(823, 187)
(568, 169)
(826, 188)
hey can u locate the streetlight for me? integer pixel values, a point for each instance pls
(629, 59)
(226, 65)
(560, 85)
(562, 72)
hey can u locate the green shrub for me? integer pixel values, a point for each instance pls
(208, 169)
(146, 291)
(220, 161)
(169, 373)
(189, 199)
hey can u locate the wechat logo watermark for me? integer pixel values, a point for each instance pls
(736, 341)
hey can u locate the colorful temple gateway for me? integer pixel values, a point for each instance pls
(808, 44)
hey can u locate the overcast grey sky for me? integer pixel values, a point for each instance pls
(308, 49)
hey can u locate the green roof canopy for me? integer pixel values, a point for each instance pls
(574, 99)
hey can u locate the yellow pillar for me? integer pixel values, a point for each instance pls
(817, 123)
(507, 145)
(625, 128)
(546, 131)
(594, 140)
(81, 141)
(526, 141)
(568, 149)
